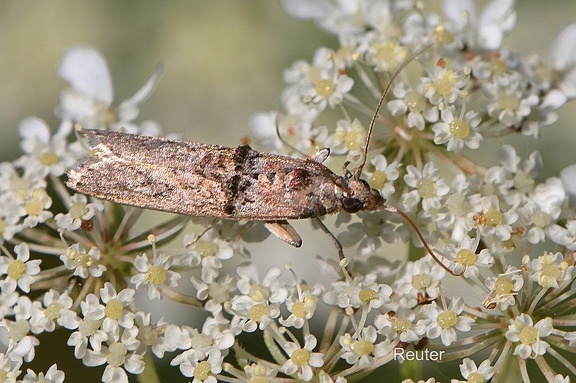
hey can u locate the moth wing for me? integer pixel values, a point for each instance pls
(152, 172)
(202, 180)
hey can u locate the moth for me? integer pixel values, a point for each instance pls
(240, 183)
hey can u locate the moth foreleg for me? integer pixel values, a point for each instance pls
(283, 230)
(206, 229)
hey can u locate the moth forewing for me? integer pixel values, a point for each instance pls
(211, 181)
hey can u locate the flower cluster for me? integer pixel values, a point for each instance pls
(78, 264)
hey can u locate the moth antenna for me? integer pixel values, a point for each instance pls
(277, 126)
(424, 242)
(358, 170)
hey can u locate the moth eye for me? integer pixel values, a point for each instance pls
(351, 205)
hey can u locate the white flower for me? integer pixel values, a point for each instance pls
(302, 304)
(472, 373)
(117, 308)
(568, 177)
(428, 187)
(383, 176)
(561, 379)
(215, 293)
(504, 288)
(344, 18)
(33, 206)
(549, 269)
(490, 220)
(516, 178)
(400, 324)
(564, 236)
(209, 251)
(9, 367)
(55, 309)
(371, 233)
(361, 350)
(385, 55)
(88, 101)
(362, 291)
(485, 31)
(19, 345)
(209, 345)
(465, 254)
(348, 138)
(88, 332)
(19, 272)
(442, 85)
(301, 360)
(457, 131)
(9, 220)
(119, 357)
(315, 86)
(522, 330)
(509, 101)
(78, 211)
(415, 104)
(256, 372)
(422, 279)
(53, 375)
(453, 215)
(327, 90)
(48, 155)
(154, 273)
(291, 127)
(443, 323)
(114, 313)
(83, 263)
(563, 60)
(151, 335)
(259, 302)
(202, 371)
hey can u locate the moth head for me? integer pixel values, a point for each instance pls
(360, 196)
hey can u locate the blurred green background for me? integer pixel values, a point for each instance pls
(224, 61)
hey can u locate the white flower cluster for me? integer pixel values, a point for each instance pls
(75, 264)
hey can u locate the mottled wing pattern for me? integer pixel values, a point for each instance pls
(203, 180)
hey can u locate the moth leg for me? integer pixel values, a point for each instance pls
(283, 230)
(337, 243)
(206, 229)
(319, 155)
(240, 233)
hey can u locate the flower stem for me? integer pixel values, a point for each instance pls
(150, 373)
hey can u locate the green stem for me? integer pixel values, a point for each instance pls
(411, 369)
(150, 373)
(414, 253)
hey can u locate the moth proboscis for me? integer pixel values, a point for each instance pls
(229, 183)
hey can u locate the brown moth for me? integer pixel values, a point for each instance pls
(230, 183)
(214, 181)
